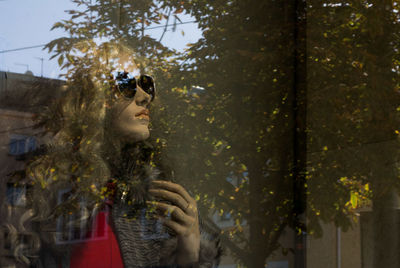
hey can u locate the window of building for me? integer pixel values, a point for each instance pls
(21, 144)
(25, 239)
(68, 232)
(16, 194)
(158, 230)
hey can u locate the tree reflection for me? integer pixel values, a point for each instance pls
(262, 121)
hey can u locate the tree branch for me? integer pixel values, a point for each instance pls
(166, 25)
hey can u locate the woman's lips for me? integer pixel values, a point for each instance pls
(142, 116)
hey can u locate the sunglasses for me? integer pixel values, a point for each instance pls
(127, 85)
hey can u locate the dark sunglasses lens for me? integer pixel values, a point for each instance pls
(147, 84)
(126, 85)
(129, 89)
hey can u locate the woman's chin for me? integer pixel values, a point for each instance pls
(137, 136)
(144, 136)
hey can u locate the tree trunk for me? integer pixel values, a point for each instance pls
(257, 254)
(386, 235)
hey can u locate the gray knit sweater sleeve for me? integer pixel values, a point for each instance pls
(144, 242)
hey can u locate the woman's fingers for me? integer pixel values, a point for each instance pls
(174, 198)
(184, 221)
(183, 210)
(174, 211)
(176, 227)
(176, 194)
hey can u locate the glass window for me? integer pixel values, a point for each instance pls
(20, 144)
(174, 129)
(88, 229)
(16, 195)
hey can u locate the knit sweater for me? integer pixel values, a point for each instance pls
(144, 242)
(141, 239)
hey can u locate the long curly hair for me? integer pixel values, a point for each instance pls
(83, 155)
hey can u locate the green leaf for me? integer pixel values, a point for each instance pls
(57, 25)
(60, 60)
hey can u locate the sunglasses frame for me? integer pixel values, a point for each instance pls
(122, 80)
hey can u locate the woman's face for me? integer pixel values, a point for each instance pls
(131, 117)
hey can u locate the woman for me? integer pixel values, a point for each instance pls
(177, 209)
(100, 165)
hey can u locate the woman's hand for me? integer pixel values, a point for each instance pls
(181, 216)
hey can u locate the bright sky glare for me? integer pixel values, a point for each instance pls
(27, 23)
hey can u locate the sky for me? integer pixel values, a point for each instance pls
(27, 23)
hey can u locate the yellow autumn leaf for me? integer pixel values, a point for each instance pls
(218, 144)
(366, 187)
(353, 200)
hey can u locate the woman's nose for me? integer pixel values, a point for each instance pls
(142, 98)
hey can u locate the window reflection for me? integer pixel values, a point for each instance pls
(273, 126)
